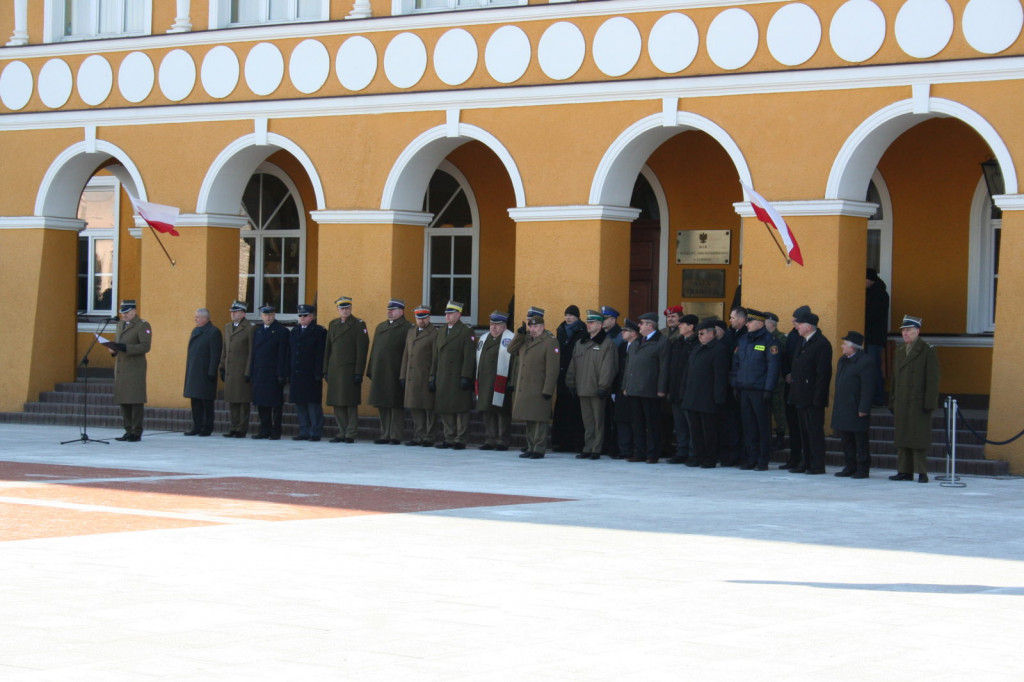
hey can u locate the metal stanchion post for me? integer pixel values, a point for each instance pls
(950, 427)
(953, 480)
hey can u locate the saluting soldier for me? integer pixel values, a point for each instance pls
(536, 382)
(204, 350)
(493, 368)
(306, 349)
(414, 376)
(268, 372)
(913, 396)
(344, 365)
(453, 368)
(132, 341)
(234, 366)
(591, 375)
(384, 371)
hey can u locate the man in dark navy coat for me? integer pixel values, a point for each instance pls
(811, 374)
(306, 380)
(704, 395)
(201, 362)
(268, 372)
(755, 373)
(851, 405)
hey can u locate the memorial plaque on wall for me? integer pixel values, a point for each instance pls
(709, 283)
(704, 309)
(703, 247)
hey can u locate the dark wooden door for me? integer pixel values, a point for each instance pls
(644, 258)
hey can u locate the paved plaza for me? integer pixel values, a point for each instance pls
(221, 559)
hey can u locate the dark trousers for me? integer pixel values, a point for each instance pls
(812, 436)
(131, 416)
(757, 426)
(202, 415)
(611, 429)
(684, 445)
(311, 419)
(855, 451)
(647, 428)
(704, 429)
(730, 434)
(270, 420)
(793, 426)
(624, 424)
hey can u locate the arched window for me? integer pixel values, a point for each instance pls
(983, 262)
(97, 246)
(272, 249)
(452, 243)
(880, 229)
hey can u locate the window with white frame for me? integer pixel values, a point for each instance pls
(983, 262)
(82, 19)
(253, 12)
(879, 254)
(97, 246)
(451, 245)
(272, 249)
(410, 6)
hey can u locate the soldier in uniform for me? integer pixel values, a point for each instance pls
(268, 372)
(614, 331)
(536, 382)
(913, 395)
(132, 341)
(234, 369)
(452, 369)
(493, 368)
(414, 377)
(672, 316)
(592, 372)
(344, 365)
(204, 349)
(306, 380)
(771, 323)
(755, 374)
(384, 370)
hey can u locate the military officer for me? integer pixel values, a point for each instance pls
(344, 366)
(384, 372)
(414, 376)
(452, 369)
(611, 431)
(913, 395)
(234, 367)
(536, 382)
(672, 316)
(201, 360)
(493, 368)
(268, 372)
(754, 376)
(132, 341)
(592, 371)
(306, 344)
(771, 323)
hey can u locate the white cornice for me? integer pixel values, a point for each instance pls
(1009, 202)
(537, 214)
(813, 207)
(371, 217)
(656, 90)
(31, 222)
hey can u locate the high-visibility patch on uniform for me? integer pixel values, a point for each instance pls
(761, 348)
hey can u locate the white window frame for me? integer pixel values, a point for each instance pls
(884, 227)
(258, 235)
(102, 183)
(54, 20)
(474, 232)
(409, 6)
(220, 14)
(981, 265)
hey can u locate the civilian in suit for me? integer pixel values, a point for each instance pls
(812, 375)
(201, 361)
(851, 405)
(306, 380)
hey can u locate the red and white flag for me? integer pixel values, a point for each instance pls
(161, 218)
(767, 214)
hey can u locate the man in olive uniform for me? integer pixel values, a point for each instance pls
(452, 370)
(414, 377)
(384, 371)
(536, 381)
(344, 365)
(592, 371)
(268, 372)
(131, 343)
(306, 378)
(771, 323)
(234, 367)
(201, 360)
(493, 368)
(913, 395)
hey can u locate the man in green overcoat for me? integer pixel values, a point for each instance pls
(536, 381)
(415, 377)
(344, 366)
(386, 392)
(131, 343)
(234, 365)
(452, 371)
(912, 398)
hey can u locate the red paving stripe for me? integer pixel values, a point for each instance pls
(32, 522)
(32, 471)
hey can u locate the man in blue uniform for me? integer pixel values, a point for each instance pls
(268, 372)
(755, 373)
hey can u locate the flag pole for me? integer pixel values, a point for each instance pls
(161, 245)
(774, 239)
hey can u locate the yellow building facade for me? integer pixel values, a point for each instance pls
(546, 152)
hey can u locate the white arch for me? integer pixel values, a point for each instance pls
(62, 185)
(664, 236)
(407, 182)
(222, 188)
(856, 161)
(616, 174)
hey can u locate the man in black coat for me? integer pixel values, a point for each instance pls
(793, 343)
(811, 373)
(204, 347)
(306, 376)
(567, 421)
(614, 331)
(851, 405)
(732, 426)
(646, 383)
(622, 409)
(704, 395)
(268, 372)
(678, 358)
(876, 329)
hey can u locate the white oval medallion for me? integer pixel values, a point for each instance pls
(219, 73)
(309, 66)
(177, 75)
(794, 34)
(617, 46)
(991, 26)
(857, 30)
(456, 56)
(16, 85)
(405, 60)
(356, 63)
(95, 80)
(924, 27)
(508, 53)
(135, 77)
(264, 69)
(732, 39)
(673, 43)
(55, 82)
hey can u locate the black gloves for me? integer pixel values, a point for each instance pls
(357, 379)
(120, 347)
(432, 386)
(522, 329)
(465, 384)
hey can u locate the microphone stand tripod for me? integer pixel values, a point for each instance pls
(84, 437)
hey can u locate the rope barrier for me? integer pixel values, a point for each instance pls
(967, 425)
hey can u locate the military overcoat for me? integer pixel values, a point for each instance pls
(201, 362)
(914, 394)
(454, 359)
(269, 364)
(594, 365)
(416, 360)
(487, 373)
(385, 365)
(537, 376)
(234, 361)
(130, 366)
(306, 363)
(345, 359)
